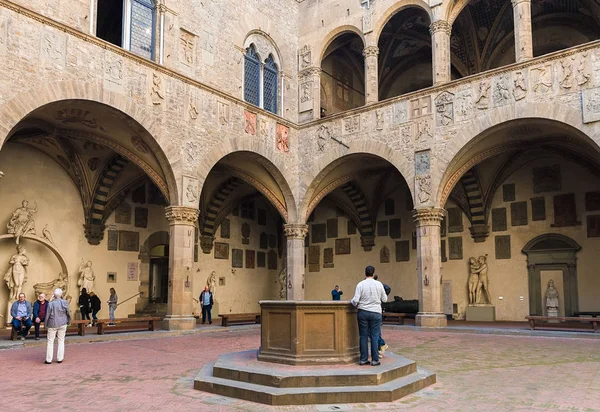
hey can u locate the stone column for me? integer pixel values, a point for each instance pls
(371, 74)
(182, 221)
(440, 46)
(295, 234)
(523, 36)
(428, 267)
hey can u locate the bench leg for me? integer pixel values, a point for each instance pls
(258, 319)
(80, 329)
(400, 320)
(595, 324)
(532, 324)
(225, 322)
(100, 328)
(151, 325)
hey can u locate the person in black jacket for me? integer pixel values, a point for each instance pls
(85, 305)
(95, 306)
(206, 301)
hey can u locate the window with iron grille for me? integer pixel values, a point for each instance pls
(142, 28)
(252, 76)
(270, 85)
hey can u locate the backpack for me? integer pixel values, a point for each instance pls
(387, 289)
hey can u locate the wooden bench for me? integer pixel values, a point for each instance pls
(101, 323)
(80, 328)
(394, 317)
(239, 318)
(539, 319)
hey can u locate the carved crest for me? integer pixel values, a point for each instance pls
(444, 107)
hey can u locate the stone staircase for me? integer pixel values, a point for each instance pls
(240, 375)
(151, 310)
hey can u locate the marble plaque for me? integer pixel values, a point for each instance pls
(455, 224)
(113, 240)
(351, 228)
(263, 241)
(565, 212)
(319, 233)
(332, 228)
(593, 226)
(402, 251)
(395, 228)
(250, 259)
(342, 246)
(237, 258)
(225, 228)
(447, 297)
(129, 241)
(221, 250)
(314, 268)
(261, 217)
(455, 245)
(382, 228)
(390, 207)
(499, 219)
(272, 260)
(328, 257)
(592, 201)
(272, 241)
(123, 214)
(518, 213)
(314, 255)
(443, 250)
(384, 255)
(538, 208)
(502, 247)
(261, 259)
(508, 192)
(591, 105)
(141, 217)
(546, 179)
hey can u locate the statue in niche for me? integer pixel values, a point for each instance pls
(283, 283)
(479, 292)
(551, 299)
(16, 275)
(62, 282)
(21, 222)
(211, 282)
(86, 276)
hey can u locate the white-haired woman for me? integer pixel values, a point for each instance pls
(58, 317)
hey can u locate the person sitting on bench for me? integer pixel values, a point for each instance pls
(39, 313)
(21, 312)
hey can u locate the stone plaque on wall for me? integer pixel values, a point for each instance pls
(518, 214)
(538, 208)
(319, 233)
(443, 249)
(565, 212)
(546, 179)
(502, 247)
(395, 228)
(250, 259)
(129, 241)
(382, 228)
(225, 228)
(402, 251)
(141, 217)
(272, 241)
(123, 214)
(592, 201)
(272, 260)
(221, 250)
(499, 220)
(260, 259)
(455, 245)
(263, 241)
(390, 208)
(113, 240)
(314, 258)
(455, 224)
(593, 226)
(332, 228)
(508, 192)
(237, 258)
(351, 228)
(261, 217)
(328, 257)
(384, 255)
(342, 246)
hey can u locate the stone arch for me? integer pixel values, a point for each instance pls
(271, 160)
(453, 12)
(155, 239)
(332, 35)
(265, 46)
(481, 127)
(44, 93)
(396, 8)
(332, 159)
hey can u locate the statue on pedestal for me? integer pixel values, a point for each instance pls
(479, 293)
(16, 275)
(86, 276)
(21, 222)
(551, 299)
(61, 282)
(473, 279)
(211, 282)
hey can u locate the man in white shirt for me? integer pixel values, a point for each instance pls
(368, 298)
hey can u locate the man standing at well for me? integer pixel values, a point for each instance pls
(58, 317)
(368, 298)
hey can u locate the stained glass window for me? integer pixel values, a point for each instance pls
(270, 85)
(252, 76)
(142, 28)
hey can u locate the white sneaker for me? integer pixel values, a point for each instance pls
(383, 348)
(381, 354)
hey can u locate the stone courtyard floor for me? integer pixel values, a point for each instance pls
(153, 371)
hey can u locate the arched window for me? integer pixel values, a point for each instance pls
(252, 76)
(270, 87)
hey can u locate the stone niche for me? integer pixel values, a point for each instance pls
(308, 332)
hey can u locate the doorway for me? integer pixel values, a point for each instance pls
(159, 274)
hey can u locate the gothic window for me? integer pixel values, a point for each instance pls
(270, 87)
(252, 76)
(260, 80)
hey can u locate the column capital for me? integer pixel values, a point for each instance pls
(310, 72)
(371, 51)
(428, 217)
(516, 2)
(440, 26)
(181, 215)
(295, 231)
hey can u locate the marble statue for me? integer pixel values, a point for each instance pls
(21, 222)
(479, 292)
(211, 282)
(61, 282)
(473, 280)
(86, 276)
(551, 299)
(47, 235)
(16, 275)
(283, 283)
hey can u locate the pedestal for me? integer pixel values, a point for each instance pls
(481, 313)
(431, 320)
(179, 322)
(553, 313)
